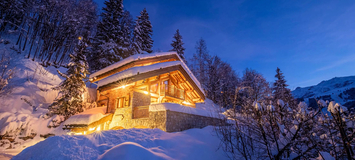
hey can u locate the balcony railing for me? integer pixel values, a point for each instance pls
(172, 91)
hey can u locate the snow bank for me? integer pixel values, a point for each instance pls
(87, 116)
(129, 144)
(22, 112)
(207, 109)
(129, 150)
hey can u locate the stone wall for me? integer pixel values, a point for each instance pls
(177, 121)
(123, 118)
(169, 121)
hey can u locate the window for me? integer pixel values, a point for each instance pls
(166, 84)
(154, 88)
(120, 102)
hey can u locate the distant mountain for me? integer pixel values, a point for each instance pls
(339, 89)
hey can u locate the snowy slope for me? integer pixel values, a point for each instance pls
(22, 112)
(339, 89)
(129, 144)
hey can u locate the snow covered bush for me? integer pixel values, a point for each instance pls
(337, 130)
(267, 123)
(263, 127)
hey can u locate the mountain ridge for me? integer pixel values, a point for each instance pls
(339, 89)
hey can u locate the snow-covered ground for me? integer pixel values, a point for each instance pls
(22, 112)
(129, 144)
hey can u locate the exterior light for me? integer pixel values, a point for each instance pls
(187, 103)
(80, 38)
(98, 128)
(78, 133)
(91, 129)
(145, 92)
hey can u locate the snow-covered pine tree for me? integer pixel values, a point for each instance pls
(70, 99)
(142, 35)
(127, 28)
(108, 43)
(177, 45)
(280, 90)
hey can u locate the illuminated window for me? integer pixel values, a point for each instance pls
(122, 102)
(154, 88)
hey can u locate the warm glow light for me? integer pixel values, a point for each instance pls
(98, 128)
(187, 103)
(145, 92)
(91, 129)
(78, 133)
(80, 38)
(124, 86)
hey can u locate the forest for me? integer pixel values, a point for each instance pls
(265, 120)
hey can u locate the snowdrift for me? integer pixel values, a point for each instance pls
(129, 144)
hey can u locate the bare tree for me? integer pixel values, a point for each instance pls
(6, 75)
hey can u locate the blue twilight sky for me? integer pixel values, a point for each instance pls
(310, 41)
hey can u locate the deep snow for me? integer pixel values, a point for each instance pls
(129, 144)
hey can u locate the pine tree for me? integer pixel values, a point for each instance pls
(177, 45)
(127, 27)
(280, 90)
(108, 43)
(72, 88)
(142, 35)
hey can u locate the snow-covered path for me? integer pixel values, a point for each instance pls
(129, 144)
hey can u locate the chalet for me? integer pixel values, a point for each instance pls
(145, 91)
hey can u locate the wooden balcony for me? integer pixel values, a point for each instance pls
(172, 91)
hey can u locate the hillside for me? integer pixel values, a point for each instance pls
(23, 119)
(339, 89)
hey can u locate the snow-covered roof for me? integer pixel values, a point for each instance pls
(208, 109)
(145, 56)
(87, 117)
(143, 69)
(128, 60)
